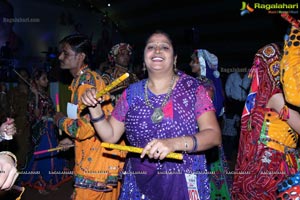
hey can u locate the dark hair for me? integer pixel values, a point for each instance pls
(23, 69)
(19, 71)
(80, 44)
(37, 73)
(9, 8)
(158, 31)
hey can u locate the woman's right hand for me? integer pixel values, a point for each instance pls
(89, 97)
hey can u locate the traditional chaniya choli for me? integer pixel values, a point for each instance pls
(168, 178)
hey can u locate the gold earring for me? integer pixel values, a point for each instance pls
(175, 68)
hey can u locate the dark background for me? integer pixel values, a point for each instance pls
(217, 26)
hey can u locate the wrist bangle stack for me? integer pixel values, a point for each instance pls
(98, 119)
(10, 154)
(195, 143)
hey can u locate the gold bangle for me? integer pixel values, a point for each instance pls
(11, 155)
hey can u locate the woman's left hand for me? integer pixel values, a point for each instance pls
(158, 149)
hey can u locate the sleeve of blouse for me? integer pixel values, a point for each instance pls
(203, 102)
(121, 108)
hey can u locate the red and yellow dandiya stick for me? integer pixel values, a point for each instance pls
(52, 149)
(177, 156)
(109, 87)
(290, 19)
(57, 109)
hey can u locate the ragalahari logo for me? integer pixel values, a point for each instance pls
(246, 8)
(274, 8)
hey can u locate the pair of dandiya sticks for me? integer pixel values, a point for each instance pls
(177, 156)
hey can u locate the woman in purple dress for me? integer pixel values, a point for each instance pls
(168, 112)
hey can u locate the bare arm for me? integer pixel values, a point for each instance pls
(277, 102)
(109, 130)
(210, 133)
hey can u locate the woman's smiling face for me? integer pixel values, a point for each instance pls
(159, 53)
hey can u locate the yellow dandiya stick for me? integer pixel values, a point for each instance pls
(177, 156)
(112, 85)
(109, 87)
(57, 109)
(52, 149)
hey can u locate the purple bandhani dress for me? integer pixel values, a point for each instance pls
(167, 179)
